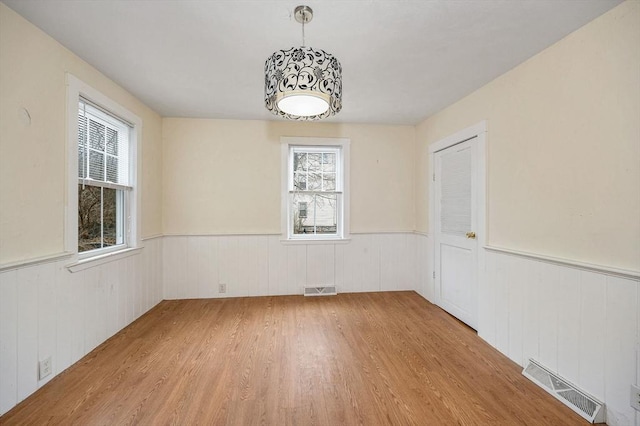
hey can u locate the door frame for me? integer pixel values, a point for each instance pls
(478, 134)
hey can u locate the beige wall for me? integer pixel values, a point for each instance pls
(33, 156)
(563, 173)
(563, 146)
(223, 176)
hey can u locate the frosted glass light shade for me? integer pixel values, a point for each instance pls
(303, 84)
(303, 105)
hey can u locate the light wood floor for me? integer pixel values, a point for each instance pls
(353, 359)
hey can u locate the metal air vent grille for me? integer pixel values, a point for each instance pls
(580, 402)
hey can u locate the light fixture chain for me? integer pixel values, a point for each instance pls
(304, 19)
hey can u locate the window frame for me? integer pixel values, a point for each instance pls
(122, 190)
(77, 89)
(342, 186)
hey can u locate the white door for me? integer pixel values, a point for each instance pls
(456, 251)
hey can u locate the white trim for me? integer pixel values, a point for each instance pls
(274, 234)
(458, 137)
(151, 237)
(383, 233)
(103, 184)
(94, 261)
(76, 89)
(179, 235)
(284, 188)
(67, 255)
(300, 140)
(98, 252)
(35, 261)
(607, 270)
(285, 143)
(321, 241)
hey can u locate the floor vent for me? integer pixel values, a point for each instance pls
(583, 404)
(327, 290)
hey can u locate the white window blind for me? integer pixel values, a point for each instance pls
(455, 192)
(103, 148)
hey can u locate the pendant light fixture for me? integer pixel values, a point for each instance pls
(303, 83)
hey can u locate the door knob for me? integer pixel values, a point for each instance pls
(471, 235)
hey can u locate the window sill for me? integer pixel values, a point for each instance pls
(94, 261)
(323, 241)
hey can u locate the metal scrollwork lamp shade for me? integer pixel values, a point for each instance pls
(303, 83)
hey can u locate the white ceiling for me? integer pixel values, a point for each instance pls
(402, 60)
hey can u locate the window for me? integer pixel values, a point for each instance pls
(315, 190)
(103, 178)
(102, 220)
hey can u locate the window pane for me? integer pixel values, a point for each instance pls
(326, 213)
(314, 182)
(82, 146)
(300, 181)
(315, 162)
(329, 162)
(301, 214)
(302, 209)
(100, 217)
(109, 214)
(82, 130)
(82, 161)
(112, 169)
(96, 165)
(329, 182)
(299, 161)
(96, 135)
(112, 141)
(89, 220)
(315, 214)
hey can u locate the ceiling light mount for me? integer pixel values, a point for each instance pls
(303, 14)
(303, 83)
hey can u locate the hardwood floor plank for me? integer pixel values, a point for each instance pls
(352, 359)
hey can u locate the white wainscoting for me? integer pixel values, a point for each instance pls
(47, 311)
(424, 267)
(259, 265)
(584, 325)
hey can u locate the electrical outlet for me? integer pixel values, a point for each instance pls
(222, 288)
(635, 397)
(44, 368)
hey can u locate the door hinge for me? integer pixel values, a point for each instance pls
(434, 177)
(434, 274)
